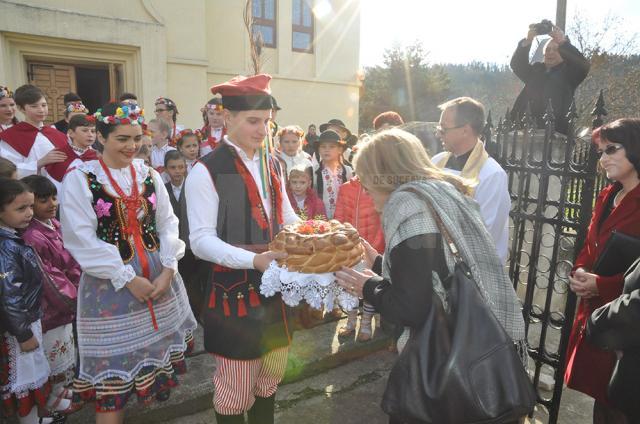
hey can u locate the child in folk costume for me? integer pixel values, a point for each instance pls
(332, 172)
(60, 289)
(167, 111)
(303, 198)
(290, 140)
(24, 376)
(213, 130)
(188, 144)
(7, 109)
(30, 144)
(160, 135)
(118, 224)
(81, 136)
(237, 202)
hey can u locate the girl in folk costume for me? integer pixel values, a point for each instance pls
(7, 109)
(332, 172)
(81, 136)
(304, 200)
(160, 136)
(236, 203)
(60, 289)
(24, 376)
(290, 140)
(167, 110)
(188, 144)
(118, 224)
(30, 144)
(213, 130)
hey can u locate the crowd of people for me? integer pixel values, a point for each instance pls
(120, 234)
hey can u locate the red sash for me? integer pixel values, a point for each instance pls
(22, 136)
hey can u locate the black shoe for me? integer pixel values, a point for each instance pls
(262, 410)
(229, 419)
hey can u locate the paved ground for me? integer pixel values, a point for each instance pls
(350, 394)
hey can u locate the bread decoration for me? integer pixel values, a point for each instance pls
(316, 247)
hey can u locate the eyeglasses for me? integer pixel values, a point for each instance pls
(611, 149)
(442, 130)
(161, 110)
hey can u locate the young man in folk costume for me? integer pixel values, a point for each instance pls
(236, 203)
(30, 144)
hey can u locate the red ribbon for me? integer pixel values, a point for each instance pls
(132, 203)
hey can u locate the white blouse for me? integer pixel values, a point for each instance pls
(27, 165)
(79, 222)
(202, 211)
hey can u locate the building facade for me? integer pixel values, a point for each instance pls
(175, 49)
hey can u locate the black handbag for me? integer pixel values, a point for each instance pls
(460, 367)
(620, 251)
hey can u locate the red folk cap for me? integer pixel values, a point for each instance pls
(245, 93)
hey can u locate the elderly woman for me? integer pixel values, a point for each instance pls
(617, 209)
(396, 171)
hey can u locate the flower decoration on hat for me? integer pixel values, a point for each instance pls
(76, 107)
(209, 106)
(5, 92)
(291, 129)
(125, 114)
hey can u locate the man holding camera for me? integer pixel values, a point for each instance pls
(564, 68)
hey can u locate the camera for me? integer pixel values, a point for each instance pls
(543, 27)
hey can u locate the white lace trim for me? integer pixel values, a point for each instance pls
(318, 290)
(169, 261)
(129, 376)
(93, 166)
(27, 370)
(121, 280)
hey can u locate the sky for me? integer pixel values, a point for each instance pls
(466, 30)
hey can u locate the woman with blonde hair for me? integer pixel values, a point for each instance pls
(403, 284)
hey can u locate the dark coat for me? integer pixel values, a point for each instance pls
(541, 84)
(581, 374)
(20, 286)
(616, 326)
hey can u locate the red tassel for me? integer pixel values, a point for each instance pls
(254, 299)
(242, 308)
(225, 305)
(212, 298)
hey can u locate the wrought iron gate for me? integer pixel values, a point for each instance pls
(553, 183)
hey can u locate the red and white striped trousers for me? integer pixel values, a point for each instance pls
(236, 382)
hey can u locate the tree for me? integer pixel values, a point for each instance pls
(405, 83)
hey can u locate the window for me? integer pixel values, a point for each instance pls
(302, 36)
(264, 21)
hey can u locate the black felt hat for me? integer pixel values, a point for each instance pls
(335, 123)
(331, 136)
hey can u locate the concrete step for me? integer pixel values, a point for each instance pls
(313, 351)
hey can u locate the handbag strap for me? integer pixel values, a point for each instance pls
(443, 230)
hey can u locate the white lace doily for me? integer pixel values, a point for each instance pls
(318, 290)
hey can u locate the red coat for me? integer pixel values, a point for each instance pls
(589, 368)
(313, 205)
(356, 207)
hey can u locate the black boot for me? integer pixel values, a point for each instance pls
(229, 419)
(262, 410)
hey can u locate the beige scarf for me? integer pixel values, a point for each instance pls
(474, 164)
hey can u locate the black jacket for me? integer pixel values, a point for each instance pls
(616, 326)
(558, 84)
(406, 301)
(20, 286)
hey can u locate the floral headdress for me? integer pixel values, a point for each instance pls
(213, 106)
(75, 107)
(291, 129)
(187, 132)
(167, 102)
(125, 114)
(5, 92)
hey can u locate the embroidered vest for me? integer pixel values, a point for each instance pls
(112, 218)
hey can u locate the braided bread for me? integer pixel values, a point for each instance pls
(316, 247)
